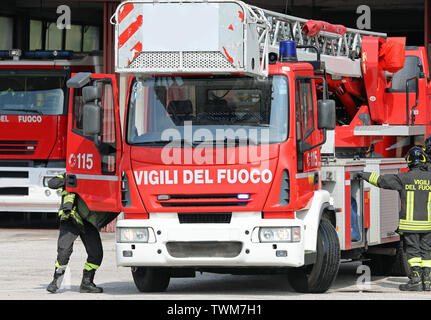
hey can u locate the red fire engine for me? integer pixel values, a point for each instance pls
(242, 130)
(33, 121)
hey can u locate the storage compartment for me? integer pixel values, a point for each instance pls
(384, 212)
(348, 199)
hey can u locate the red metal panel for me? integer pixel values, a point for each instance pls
(367, 209)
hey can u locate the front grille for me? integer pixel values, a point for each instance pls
(204, 249)
(202, 196)
(203, 200)
(203, 204)
(16, 163)
(213, 217)
(17, 147)
(13, 174)
(14, 191)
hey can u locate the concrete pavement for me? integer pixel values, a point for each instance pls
(27, 265)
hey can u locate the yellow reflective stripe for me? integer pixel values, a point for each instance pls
(69, 197)
(415, 262)
(412, 210)
(410, 205)
(426, 264)
(89, 266)
(76, 216)
(416, 222)
(428, 206)
(373, 179)
(376, 178)
(57, 265)
(414, 228)
(61, 213)
(370, 179)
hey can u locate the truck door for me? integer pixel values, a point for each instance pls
(92, 162)
(307, 135)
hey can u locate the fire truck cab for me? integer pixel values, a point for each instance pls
(33, 119)
(231, 159)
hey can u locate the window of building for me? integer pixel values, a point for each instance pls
(54, 37)
(91, 38)
(74, 38)
(79, 38)
(6, 27)
(36, 34)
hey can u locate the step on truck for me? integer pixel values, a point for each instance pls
(33, 120)
(243, 129)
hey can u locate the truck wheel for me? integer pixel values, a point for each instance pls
(317, 278)
(382, 265)
(401, 266)
(151, 279)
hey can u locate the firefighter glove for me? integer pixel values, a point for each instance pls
(57, 182)
(359, 175)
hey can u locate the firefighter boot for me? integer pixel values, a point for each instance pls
(415, 281)
(426, 278)
(87, 285)
(56, 282)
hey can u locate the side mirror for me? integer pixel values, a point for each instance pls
(79, 80)
(326, 114)
(91, 110)
(91, 119)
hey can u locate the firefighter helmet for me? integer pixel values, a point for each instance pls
(416, 157)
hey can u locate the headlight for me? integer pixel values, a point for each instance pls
(132, 234)
(280, 234)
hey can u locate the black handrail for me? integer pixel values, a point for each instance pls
(407, 99)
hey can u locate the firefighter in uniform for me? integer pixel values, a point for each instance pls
(76, 220)
(414, 188)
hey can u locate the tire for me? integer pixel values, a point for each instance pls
(382, 265)
(317, 278)
(400, 266)
(151, 279)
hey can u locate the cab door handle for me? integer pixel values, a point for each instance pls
(71, 181)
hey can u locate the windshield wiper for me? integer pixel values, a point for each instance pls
(237, 140)
(180, 142)
(22, 110)
(162, 142)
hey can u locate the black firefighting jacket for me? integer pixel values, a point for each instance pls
(73, 206)
(414, 188)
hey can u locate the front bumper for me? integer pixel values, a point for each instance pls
(170, 242)
(23, 190)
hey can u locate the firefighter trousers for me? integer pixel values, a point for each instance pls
(418, 249)
(90, 237)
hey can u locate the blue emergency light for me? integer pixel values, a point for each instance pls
(288, 51)
(37, 54)
(10, 53)
(243, 196)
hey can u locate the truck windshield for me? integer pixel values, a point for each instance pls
(32, 92)
(208, 109)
